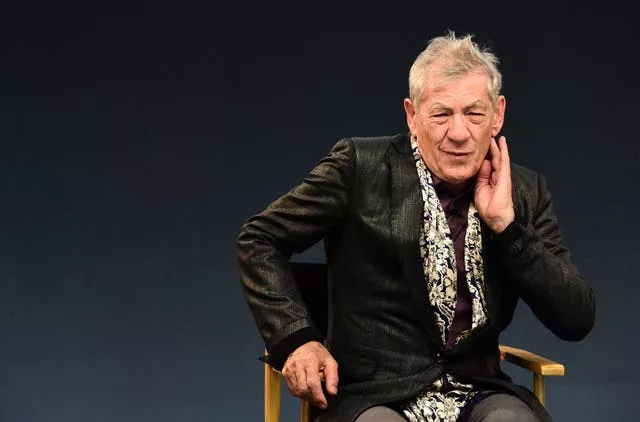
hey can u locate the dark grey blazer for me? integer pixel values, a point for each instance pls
(364, 200)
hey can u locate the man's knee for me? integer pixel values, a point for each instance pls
(509, 415)
(502, 408)
(380, 414)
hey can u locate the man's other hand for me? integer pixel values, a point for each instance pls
(302, 372)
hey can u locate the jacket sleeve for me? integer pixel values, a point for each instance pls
(539, 266)
(291, 224)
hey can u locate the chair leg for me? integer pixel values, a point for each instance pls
(271, 395)
(538, 387)
(305, 411)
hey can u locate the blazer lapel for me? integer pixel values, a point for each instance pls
(406, 218)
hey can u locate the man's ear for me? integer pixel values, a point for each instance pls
(410, 111)
(498, 118)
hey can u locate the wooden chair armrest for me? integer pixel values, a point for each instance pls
(523, 358)
(534, 363)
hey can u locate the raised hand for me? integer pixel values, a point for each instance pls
(302, 373)
(492, 195)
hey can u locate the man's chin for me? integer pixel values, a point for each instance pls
(458, 178)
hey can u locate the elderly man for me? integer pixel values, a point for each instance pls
(431, 238)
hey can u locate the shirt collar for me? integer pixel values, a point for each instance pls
(442, 187)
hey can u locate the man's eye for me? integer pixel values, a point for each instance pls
(440, 115)
(476, 114)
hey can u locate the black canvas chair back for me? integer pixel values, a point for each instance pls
(311, 279)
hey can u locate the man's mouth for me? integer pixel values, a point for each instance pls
(457, 153)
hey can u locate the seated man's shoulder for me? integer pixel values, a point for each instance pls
(375, 148)
(528, 184)
(374, 143)
(521, 175)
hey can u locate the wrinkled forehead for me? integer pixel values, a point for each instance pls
(470, 85)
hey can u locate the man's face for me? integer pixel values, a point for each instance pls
(454, 124)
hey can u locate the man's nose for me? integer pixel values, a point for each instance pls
(458, 130)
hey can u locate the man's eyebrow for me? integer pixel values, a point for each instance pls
(440, 106)
(475, 104)
(443, 107)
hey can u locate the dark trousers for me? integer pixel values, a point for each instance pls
(494, 408)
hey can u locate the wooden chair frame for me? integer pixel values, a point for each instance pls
(538, 365)
(315, 296)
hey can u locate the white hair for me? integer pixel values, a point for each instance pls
(451, 57)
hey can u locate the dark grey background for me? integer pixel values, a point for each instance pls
(136, 140)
